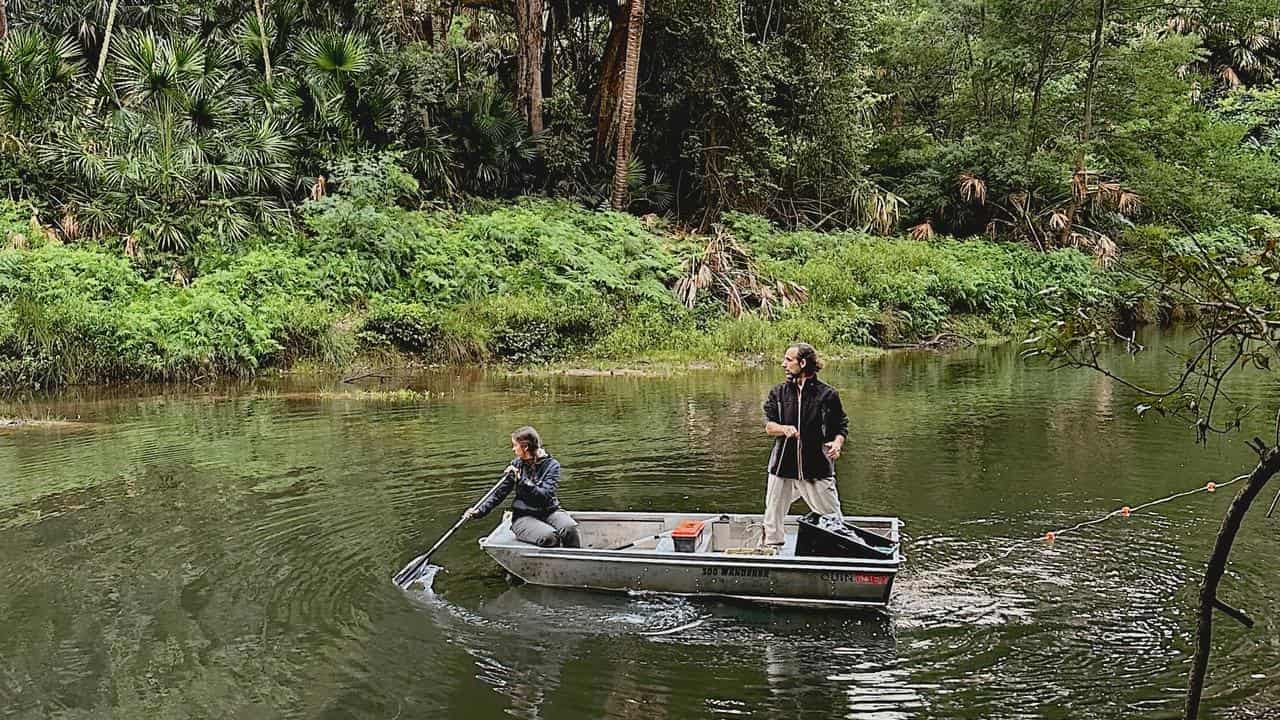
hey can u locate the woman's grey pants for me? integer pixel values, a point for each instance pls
(556, 529)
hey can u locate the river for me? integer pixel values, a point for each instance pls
(225, 551)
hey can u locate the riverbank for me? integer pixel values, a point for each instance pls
(387, 366)
(530, 286)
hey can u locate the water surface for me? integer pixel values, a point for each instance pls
(226, 552)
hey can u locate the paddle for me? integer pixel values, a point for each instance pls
(410, 571)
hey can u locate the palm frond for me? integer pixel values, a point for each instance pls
(973, 189)
(724, 269)
(922, 232)
(333, 55)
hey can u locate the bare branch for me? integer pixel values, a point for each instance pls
(1234, 613)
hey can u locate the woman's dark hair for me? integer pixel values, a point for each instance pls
(528, 438)
(806, 354)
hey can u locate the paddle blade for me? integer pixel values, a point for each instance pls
(420, 582)
(415, 569)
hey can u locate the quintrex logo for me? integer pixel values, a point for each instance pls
(859, 578)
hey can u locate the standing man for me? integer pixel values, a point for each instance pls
(809, 427)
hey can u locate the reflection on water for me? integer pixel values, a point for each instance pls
(227, 554)
(527, 640)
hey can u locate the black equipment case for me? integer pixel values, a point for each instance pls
(849, 541)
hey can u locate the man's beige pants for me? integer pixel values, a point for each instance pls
(819, 495)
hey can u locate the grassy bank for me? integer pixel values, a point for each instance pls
(525, 284)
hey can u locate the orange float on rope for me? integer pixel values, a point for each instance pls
(1211, 487)
(1125, 511)
(1049, 536)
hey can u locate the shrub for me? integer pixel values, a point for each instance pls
(312, 330)
(410, 327)
(646, 328)
(262, 274)
(922, 284)
(527, 283)
(15, 222)
(536, 329)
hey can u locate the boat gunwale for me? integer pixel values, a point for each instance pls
(815, 563)
(790, 562)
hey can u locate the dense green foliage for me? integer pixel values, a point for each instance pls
(531, 282)
(1018, 96)
(1043, 121)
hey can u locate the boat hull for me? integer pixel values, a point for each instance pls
(780, 579)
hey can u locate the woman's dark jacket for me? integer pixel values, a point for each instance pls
(535, 483)
(814, 408)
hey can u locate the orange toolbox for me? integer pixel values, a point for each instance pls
(685, 536)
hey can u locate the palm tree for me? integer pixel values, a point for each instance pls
(493, 142)
(157, 72)
(262, 33)
(331, 64)
(1236, 54)
(626, 124)
(188, 148)
(106, 44)
(38, 73)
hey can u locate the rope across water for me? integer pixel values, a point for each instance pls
(1124, 511)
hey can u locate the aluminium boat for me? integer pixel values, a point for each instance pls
(716, 555)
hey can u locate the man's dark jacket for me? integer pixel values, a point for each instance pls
(535, 483)
(815, 409)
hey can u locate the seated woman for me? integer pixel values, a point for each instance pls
(536, 514)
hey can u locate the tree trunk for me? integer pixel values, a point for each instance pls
(106, 46)
(1077, 200)
(548, 55)
(4, 20)
(627, 112)
(1268, 467)
(1099, 21)
(610, 86)
(427, 29)
(262, 29)
(529, 61)
(1042, 76)
(446, 23)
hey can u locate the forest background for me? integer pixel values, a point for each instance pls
(203, 187)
